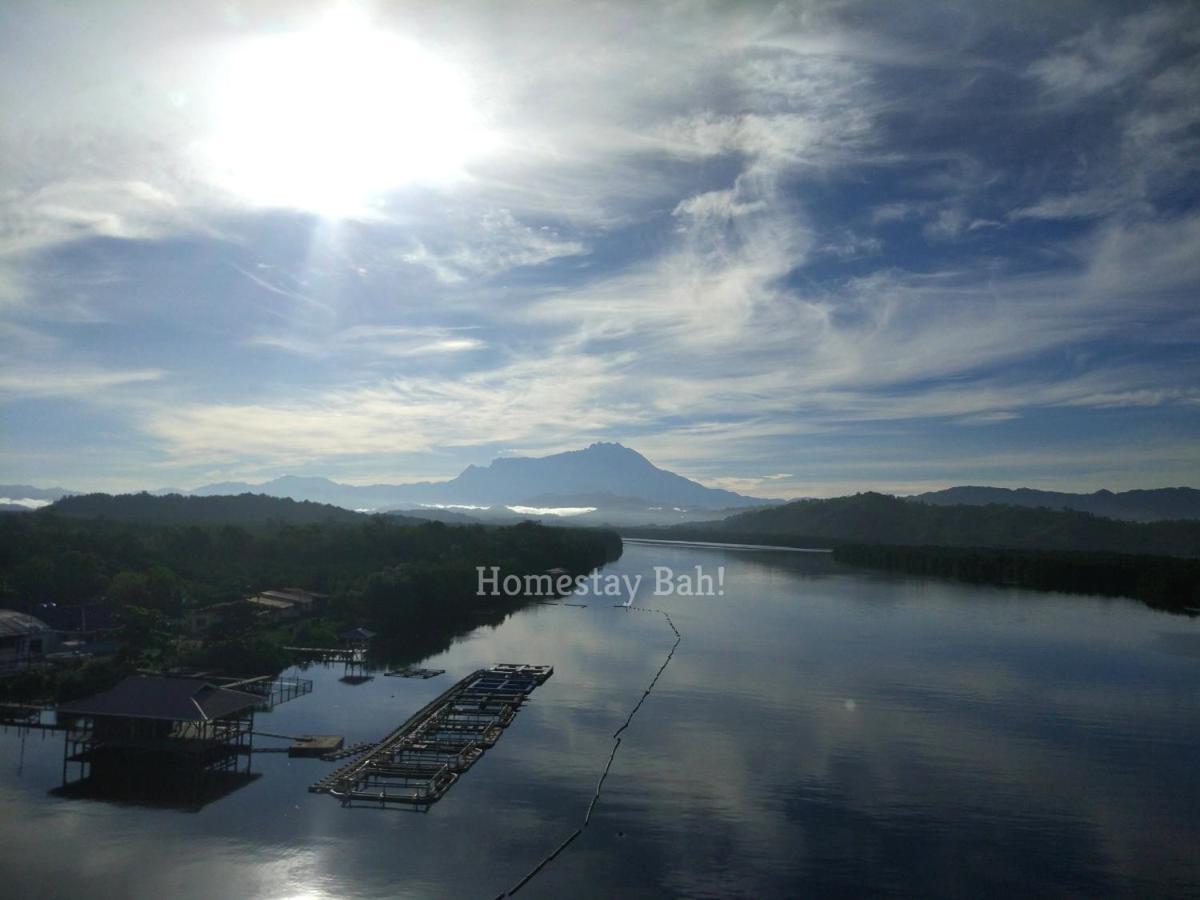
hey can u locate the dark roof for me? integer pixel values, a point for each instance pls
(356, 634)
(167, 699)
(17, 623)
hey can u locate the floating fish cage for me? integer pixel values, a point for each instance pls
(421, 759)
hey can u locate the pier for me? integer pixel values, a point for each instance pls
(422, 758)
(330, 654)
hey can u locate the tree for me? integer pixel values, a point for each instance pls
(147, 632)
(129, 589)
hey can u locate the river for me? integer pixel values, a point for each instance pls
(819, 731)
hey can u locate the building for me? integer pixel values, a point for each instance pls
(24, 641)
(200, 620)
(150, 724)
(287, 603)
(356, 637)
(273, 609)
(306, 601)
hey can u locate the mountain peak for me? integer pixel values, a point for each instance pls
(602, 470)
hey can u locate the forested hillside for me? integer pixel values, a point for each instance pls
(415, 585)
(882, 519)
(241, 509)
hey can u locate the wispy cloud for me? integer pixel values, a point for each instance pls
(77, 383)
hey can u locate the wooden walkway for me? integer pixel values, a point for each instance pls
(28, 715)
(418, 761)
(330, 654)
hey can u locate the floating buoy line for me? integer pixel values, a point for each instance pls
(587, 816)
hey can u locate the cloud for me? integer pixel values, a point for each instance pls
(988, 418)
(496, 242)
(535, 398)
(722, 234)
(378, 342)
(68, 382)
(1104, 56)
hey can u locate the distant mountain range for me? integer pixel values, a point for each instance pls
(619, 486)
(860, 519)
(24, 497)
(603, 476)
(1136, 506)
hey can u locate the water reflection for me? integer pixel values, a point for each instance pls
(183, 794)
(818, 731)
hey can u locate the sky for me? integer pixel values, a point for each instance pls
(786, 249)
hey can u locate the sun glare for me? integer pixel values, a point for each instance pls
(330, 118)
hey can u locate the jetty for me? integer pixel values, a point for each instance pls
(329, 654)
(422, 758)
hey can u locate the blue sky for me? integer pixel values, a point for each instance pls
(790, 250)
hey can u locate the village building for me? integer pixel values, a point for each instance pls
(24, 641)
(202, 619)
(306, 601)
(154, 723)
(287, 603)
(273, 609)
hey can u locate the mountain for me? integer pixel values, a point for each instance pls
(1137, 506)
(600, 473)
(317, 490)
(883, 519)
(601, 468)
(24, 497)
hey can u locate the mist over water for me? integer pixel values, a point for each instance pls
(819, 730)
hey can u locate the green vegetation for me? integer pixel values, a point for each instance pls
(415, 585)
(1162, 582)
(879, 518)
(246, 510)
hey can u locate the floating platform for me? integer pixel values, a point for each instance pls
(421, 759)
(316, 745)
(411, 672)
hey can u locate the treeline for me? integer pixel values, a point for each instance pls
(247, 510)
(50, 558)
(1162, 582)
(413, 584)
(880, 518)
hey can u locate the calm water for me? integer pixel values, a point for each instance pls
(818, 731)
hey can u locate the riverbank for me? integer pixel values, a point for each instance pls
(1161, 582)
(414, 586)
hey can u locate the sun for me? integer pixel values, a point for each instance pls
(328, 119)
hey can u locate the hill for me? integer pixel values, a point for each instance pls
(1162, 582)
(243, 509)
(1138, 506)
(883, 519)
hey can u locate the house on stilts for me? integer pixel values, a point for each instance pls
(157, 728)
